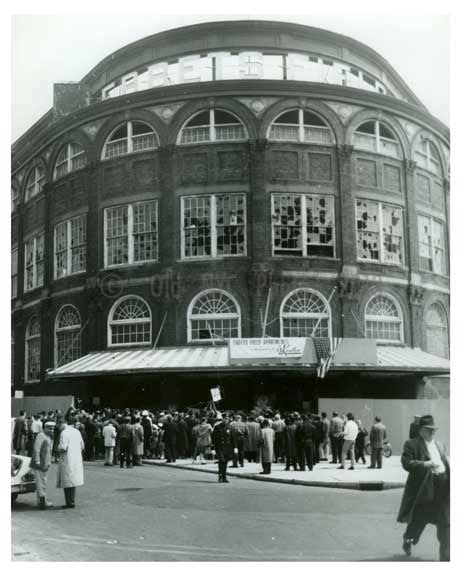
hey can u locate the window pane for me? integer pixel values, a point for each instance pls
(61, 250)
(392, 227)
(230, 225)
(425, 243)
(286, 224)
(367, 230)
(319, 226)
(145, 231)
(117, 235)
(439, 247)
(197, 226)
(78, 244)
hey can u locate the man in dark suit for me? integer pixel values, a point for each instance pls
(170, 438)
(426, 498)
(414, 427)
(222, 442)
(378, 435)
(305, 438)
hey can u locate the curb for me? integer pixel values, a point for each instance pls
(372, 485)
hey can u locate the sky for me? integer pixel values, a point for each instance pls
(60, 48)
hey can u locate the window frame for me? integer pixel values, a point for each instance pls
(130, 234)
(28, 339)
(33, 266)
(301, 126)
(74, 328)
(213, 226)
(211, 128)
(441, 223)
(69, 159)
(129, 140)
(14, 268)
(377, 139)
(34, 188)
(110, 322)
(70, 247)
(287, 315)
(227, 316)
(304, 225)
(381, 233)
(429, 159)
(437, 328)
(374, 318)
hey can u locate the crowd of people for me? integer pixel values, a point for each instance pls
(125, 437)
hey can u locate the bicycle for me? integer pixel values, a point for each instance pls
(387, 449)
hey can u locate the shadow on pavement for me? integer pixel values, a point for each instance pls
(397, 558)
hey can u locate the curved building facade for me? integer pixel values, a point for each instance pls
(228, 180)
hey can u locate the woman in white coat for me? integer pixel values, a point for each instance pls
(70, 471)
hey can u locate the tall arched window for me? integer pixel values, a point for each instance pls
(130, 322)
(33, 350)
(436, 331)
(426, 155)
(213, 314)
(67, 344)
(374, 136)
(35, 182)
(212, 125)
(71, 157)
(305, 313)
(383, 319)
(300, 125)
(132, 136)
(14, 197)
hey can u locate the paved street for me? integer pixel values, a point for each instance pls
(155, 513)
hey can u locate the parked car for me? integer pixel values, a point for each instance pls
(387, 449)
(22, 477)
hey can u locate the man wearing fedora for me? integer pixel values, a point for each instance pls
(426, 498)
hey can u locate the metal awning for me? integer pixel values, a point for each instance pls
(212, 358)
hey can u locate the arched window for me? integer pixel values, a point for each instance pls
(436, 331)
(213, 314)
(300, 125)
(68, 345)
(426, 155)
(132, 136)
(383, 319)
(374, 136)
(212, 125)
(130, 322)
(35, 182)
(71, 157)
(305, 313)
(33, 350)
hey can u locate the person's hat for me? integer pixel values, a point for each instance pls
(144, 413)
(50, 424)
(218, 416)
(427, 422)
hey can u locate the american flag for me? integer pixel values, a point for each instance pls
(326, 350)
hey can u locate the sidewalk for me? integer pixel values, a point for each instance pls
(324, 475)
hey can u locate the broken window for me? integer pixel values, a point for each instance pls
(431, 241)
(303, 225)
(131, 233)
(33, 341)
(379, 232)
(214, 226)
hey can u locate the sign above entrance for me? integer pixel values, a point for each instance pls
(251, 348)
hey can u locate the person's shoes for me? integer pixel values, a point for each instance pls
(333, 462)
(407, 546)
(286, 469)
(220, 479)
(68, 506)
(370, 467)
(107, 464)
(241, 465)
(351, 468)
(341, 467)
(234, 466)
(225, 480)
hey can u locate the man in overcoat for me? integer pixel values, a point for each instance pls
(70, 471)
(426, 498)
(41, 462)
(378, 435)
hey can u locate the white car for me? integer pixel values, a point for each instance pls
(22, 477)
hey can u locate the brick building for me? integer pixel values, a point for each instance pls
(197, 177)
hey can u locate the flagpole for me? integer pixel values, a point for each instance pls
(318, 321)
(160, 330)
(266, 312)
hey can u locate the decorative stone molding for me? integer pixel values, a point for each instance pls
(348, 288)
(410, 166)
(345, 151)
(416, 295)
